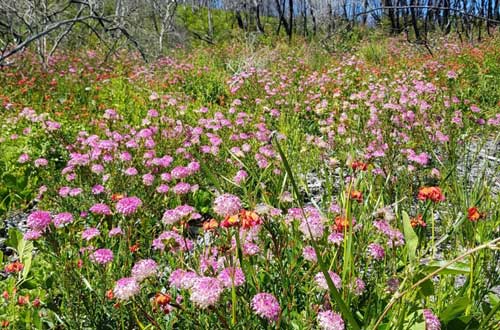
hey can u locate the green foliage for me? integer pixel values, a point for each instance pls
(374, 52)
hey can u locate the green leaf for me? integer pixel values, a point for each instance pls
(23, 182)
(29, 284)
(410, 237)
(9, 180)
(427, 288)
(463, 323)
(13, 238)
(456, 309)
(494, 299)
(418, 326)
(25, 252)
(87, 283)
(455, 268)
(334, 293)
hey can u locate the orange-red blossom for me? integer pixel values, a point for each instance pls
(245, 219)
(357, 196)
(341, 223)
(418, 221)
(474, 215)
(431, 193)
(210, 225)
(162, 299)
(14, 267)
(359, 165)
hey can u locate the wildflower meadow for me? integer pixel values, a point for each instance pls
(215, 189)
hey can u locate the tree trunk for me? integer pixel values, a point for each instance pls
(390, 11)
(260, 27)
(290, 20)
(414, 21)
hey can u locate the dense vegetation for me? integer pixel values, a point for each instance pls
(238, 187)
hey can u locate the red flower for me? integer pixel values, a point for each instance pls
(358, 165)
(23, 300)
(474, 215)
(134, 248)
(431, 193)
(110, 295)
(36, 302)
(230, 221)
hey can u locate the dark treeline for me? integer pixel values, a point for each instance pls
(308, 17)
(151, 26)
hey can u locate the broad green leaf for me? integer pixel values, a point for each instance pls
(410, 237)
(25, 252)
(455, 268)
(454, 310)
(418, 326)
(494, 299)
(29, 284)
(13, 238)
(427, 288)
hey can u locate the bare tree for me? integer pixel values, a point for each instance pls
(47, 24)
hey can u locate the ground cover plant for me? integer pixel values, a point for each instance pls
(219, 189)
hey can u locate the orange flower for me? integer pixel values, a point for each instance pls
(117, 197)
(134, 248)
(14, 267)
(162, 299)
(110, 295)
(418, 221)
(431, 193)
(210, 225)
(340, 223)
(474, 215)
(249, 219)
(5, 324)
(357, 196)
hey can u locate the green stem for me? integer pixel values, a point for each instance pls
(333, 290)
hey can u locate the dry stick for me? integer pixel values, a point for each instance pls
(490, 244)
(63, 35)
(46, 31)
